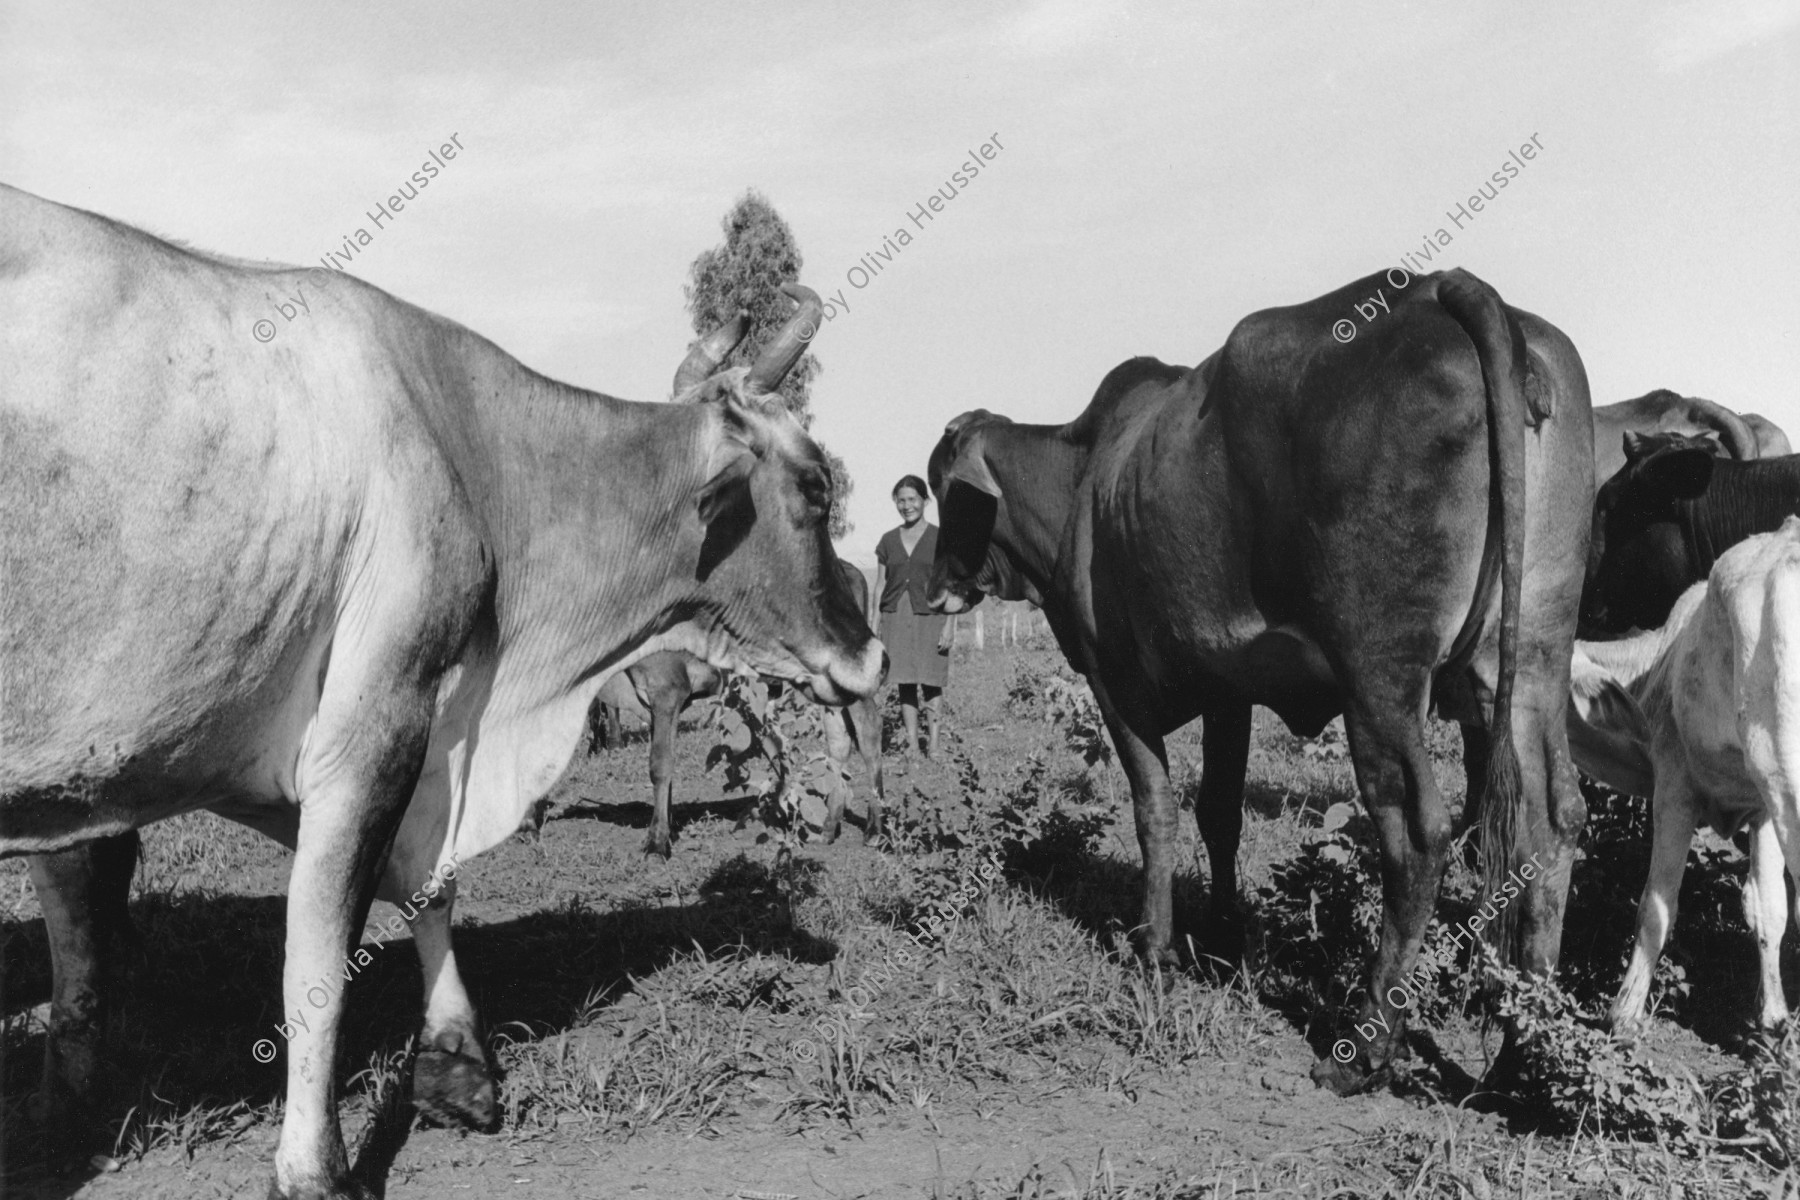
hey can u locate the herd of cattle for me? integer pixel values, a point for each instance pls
(357, 588)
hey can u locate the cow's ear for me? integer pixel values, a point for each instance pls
(744, 423)
(1602, 701)
(1634, 445)
(728, 487)
(1679, 474)
(971, 468)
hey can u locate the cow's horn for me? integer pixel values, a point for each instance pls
(1734, 432)
(710, 351)
(782, 353)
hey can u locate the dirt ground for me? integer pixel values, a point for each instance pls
(659, 1024)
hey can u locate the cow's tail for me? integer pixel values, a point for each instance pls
(1500, 345)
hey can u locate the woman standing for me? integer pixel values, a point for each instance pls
(918, 640)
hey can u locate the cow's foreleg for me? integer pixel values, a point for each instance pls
(863, 720)
(1219, 810)
(451, 1080)
(1146, 766)
(1673, 818)
(664, 718)
(83, 892)
(353, 784)
(837, 756)
(848, 732)
(1394, 776)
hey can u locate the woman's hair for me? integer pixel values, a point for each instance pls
(913, 482)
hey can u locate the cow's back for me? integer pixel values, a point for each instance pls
(184, 509)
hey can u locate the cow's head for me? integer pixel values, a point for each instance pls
(970, 562)
(1609, 737)
(1635, 549)
(770, 596)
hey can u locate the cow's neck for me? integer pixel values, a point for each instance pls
(1743, 498)
(578, 486)
(1037, 470)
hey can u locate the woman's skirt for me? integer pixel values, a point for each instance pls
(912, 646)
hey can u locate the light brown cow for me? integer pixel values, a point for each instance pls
(351, 579)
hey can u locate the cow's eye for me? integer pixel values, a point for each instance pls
(815, 486)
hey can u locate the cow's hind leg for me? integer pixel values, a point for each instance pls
(83, 892)
(1219, 810)
(1385, 723)
(1765, 910)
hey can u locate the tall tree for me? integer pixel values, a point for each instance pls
(745, 273)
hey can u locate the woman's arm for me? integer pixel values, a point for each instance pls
(947, 639)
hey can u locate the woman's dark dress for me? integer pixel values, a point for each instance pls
(909, 629)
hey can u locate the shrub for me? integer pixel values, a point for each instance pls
(1321, 914)
(1073, 710)
(1585, 1080)
(1761, 1106)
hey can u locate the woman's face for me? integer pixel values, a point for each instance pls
(910, 504)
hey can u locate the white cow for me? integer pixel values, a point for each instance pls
(1703, 716)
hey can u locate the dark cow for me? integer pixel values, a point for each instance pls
(1742, 436)
(666, 682)
(1664, 518)
(351, 581)
(1379, 528)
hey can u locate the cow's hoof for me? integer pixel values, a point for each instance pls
(1509, 1067)
(453, 1088)
(657, 845)
(344, 1189)
(1159, 955)
(1221, 941)
(54, 1107)
(1347, 1078)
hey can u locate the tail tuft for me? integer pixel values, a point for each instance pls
(1499, 833)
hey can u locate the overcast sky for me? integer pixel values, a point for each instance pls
(1163, 171)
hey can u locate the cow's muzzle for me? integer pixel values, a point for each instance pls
(952, 599)
(845, 681)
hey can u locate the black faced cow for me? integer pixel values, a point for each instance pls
(1743, 436)
(352, 581)
(665, 683)
(1661, 522)
(1379, 528)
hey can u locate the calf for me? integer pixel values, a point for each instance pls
(1703, 715)
(1664, 519)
